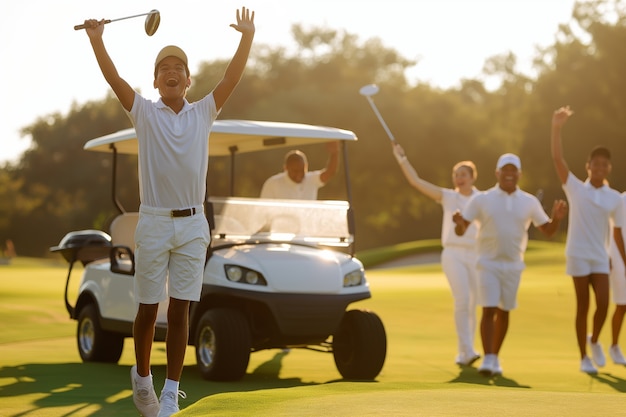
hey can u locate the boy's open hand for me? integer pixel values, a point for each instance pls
(245, 22)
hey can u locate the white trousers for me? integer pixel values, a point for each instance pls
(459, 266)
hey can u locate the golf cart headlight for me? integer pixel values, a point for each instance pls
(354, 278)
(234, 273)
(243, 275)
(252, 277)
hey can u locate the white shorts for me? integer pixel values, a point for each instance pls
(498, 284)
(580, 267)
(169, 249)
(617, 279)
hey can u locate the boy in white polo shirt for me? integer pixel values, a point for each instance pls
(503, 215)
(595, 206)
(172, 234)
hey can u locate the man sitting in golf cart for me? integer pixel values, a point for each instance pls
(296, 182)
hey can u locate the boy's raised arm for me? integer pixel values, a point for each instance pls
(559, 118)
(124, 92)
(234, 71)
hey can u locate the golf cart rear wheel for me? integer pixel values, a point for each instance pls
(360, 345)
(223, 344)
(94, 343)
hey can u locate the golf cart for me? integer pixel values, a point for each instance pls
(279, 274)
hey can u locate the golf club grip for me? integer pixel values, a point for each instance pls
(79, 27)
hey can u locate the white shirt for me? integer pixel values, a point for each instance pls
(503, 220)
(281, 186)
(591, 211)
(173, 151)
(451, 201)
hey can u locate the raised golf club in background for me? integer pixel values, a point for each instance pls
(368, 91)
(153, 18)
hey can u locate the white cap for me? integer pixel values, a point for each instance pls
(509, 159)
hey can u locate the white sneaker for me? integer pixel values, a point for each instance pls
(486, 368)
(169, 402)
(587, 367)
(467, 360)
(144, 397)
(616, 355)
(596, 352)
(497, 369)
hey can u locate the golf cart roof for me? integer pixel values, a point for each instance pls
(245, 135)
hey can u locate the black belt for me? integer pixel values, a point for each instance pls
(184, 212)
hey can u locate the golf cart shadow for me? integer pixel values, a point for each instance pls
(470, 375)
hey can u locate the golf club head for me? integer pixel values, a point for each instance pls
(152, 22)
(369, 90)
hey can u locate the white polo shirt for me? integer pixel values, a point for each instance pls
(173, 151)
(451, 201)
(591, 211)
(503, 220)
(281, 186)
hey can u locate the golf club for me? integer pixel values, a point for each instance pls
(152, 21)
(368, 91)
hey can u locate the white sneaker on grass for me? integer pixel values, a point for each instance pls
(497, 369)
(587, 367)
(144, 397)
(467, 360)
(596, 352)
(486, 368)
(169, 402)
(616, 355)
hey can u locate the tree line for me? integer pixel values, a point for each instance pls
(57, 187)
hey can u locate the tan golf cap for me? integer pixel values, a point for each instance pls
(171, 50)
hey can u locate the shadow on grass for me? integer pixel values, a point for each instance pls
(470, 375)
(105, 388)
(615, 382)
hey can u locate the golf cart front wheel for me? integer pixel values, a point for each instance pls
(360, 345)
(223, 344)
(94, 343)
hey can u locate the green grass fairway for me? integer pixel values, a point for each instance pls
(41, 374)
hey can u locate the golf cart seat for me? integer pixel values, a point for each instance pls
(123, 240)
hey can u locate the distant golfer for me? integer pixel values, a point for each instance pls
(296, 181)
(503, 215)
(458, 258)
(595, 207)
(173, 233)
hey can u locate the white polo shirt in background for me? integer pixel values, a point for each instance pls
(503, 220)
(591, 211)
(281, 186)
(451, 201)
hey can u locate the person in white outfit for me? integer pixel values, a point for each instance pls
(617, 284)
(594, 206)
(503, 215)
(172, 233)
(296, 181)
(458, 258)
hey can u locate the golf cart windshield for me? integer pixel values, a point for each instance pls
(299, 221)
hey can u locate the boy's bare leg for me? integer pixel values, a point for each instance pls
(501, 328)
(177, 337)
(581, 286)
(143, 335)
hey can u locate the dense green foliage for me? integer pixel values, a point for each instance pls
(57, 187)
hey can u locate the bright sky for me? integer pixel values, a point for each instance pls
(48, 66)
